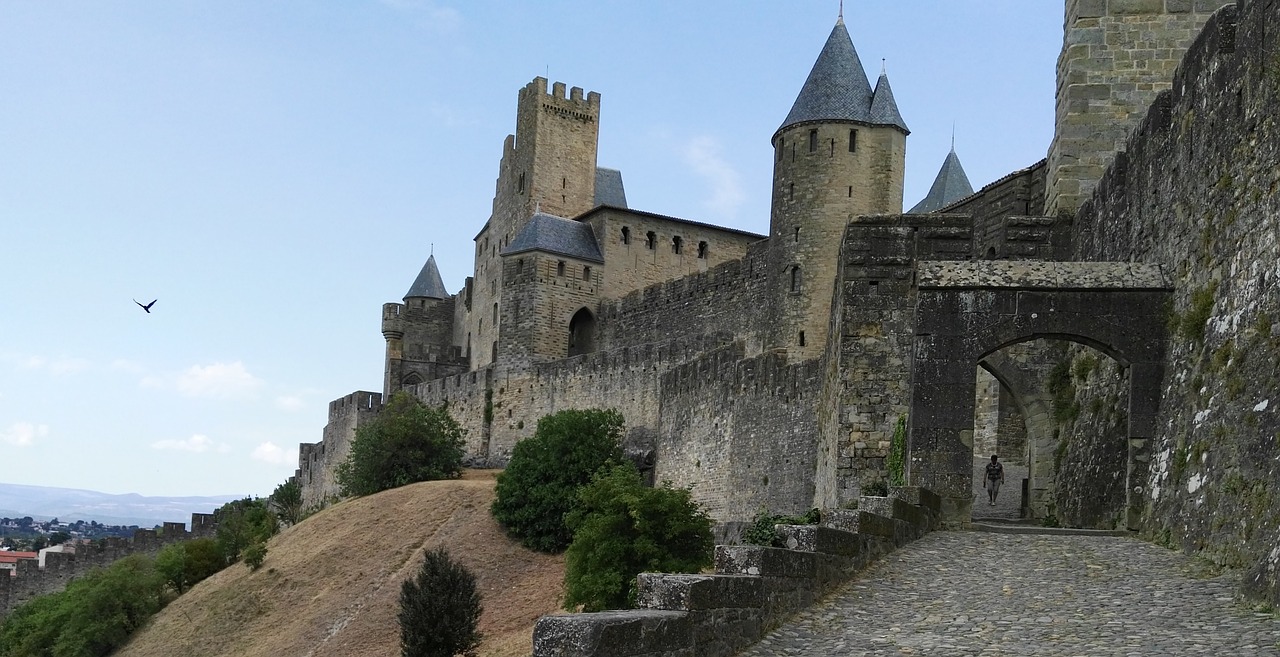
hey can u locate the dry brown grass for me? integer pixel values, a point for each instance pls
(330, 586)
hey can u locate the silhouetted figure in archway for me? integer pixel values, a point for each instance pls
(994, 478)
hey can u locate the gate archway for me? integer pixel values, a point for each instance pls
(967, 311)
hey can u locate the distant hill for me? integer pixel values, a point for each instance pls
(69, 504)
(330, 585)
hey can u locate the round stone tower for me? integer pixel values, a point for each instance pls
(840, 153)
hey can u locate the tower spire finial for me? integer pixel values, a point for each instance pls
(953, 135)
(433, 250)
(840, 17)
(884, 66)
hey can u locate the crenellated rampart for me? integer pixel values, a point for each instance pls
(29, 579)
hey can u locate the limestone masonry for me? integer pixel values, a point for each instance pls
(1106, 316)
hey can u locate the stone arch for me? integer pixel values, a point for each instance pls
(582, 332)
(965, 312)
(1036, 407)
(411, 379)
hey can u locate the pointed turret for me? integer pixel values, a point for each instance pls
(884, 109)
(428, 285)
(837, 88)
(950, 186)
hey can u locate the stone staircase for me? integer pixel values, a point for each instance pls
(753, 590)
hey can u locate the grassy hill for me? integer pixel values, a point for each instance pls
(330, 586)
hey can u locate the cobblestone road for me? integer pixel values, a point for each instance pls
(970, 593)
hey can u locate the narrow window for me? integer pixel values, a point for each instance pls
(853, 141)
(626, 235)
(586, 273)
(677, 245)
(495, 314)
(797, 238)
(850, 191)
(520, 266)
(802, 338)
(833, 148)
(813, 140)
(493, 286)
(520, 184)
(782, 143)
(792, 193)
(560, 268)
(564, 183)
(495, 351)
(795, 279)
(702, 250)
(650, 240)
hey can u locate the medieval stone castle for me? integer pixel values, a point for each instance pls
(771, 371)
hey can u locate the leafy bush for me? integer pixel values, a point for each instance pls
(183, 565)
(540, 484)
(241, 524)
(254, 555)
(762, 532)
(622, 529)
(93, 616)
(406, 443)
(439, 609)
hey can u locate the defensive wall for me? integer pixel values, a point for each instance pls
(60, 568)
(1197, 191)
(318, 462)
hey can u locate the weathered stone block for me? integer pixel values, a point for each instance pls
(825, 540)
(765, 561)
(614, 634)
(698, 592)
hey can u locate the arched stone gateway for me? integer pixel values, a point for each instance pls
(967, 311)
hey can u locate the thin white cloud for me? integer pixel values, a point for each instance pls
(56, 366)
(430, 15)
(703, 155)
(23, 434)
(290, 403)
(272, 453)
(219, 380)
(196, 443)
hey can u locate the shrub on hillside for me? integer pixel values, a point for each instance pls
(406, 443)
(286, 501)
(93, 616)
(622, 529)
(184, 564)
(439, 609)
(540, 484)
(242, 524)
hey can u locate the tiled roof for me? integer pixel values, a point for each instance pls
(837, 88)
(951, 185)
(556, 235)
(884, 109)
(609, 189)
(428, 284)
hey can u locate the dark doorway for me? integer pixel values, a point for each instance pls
(582, 333)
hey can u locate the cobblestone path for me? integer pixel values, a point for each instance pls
(971, 593)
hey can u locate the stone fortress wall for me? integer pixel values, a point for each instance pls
(1197, 191)
(60, 568)
(751, 420)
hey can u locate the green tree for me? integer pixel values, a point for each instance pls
(540, 484)
(287, 500)
(439, 609)
(241, 524)
(185, 564)
(406, 443)
(622, 529)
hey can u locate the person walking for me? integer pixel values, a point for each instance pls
(994, 478)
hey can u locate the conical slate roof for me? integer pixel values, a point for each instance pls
(950, 186)
(884, 109)
(837, 88)
(428, 284)
(557, 235)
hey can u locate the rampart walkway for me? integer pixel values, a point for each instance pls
(970, 593)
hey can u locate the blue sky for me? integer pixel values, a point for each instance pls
(272, 172)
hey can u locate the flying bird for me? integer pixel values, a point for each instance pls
(146, 307)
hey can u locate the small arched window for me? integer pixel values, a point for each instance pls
(677, 244)
(560, 268)
(650, 240)
(702, 250)
(495, 314)
(520, 266)
(813, 140)
(796, 279)
(626, 235)
(586, 273)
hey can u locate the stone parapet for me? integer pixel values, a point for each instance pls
(754, 589)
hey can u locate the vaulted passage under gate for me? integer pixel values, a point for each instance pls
(966, 311)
